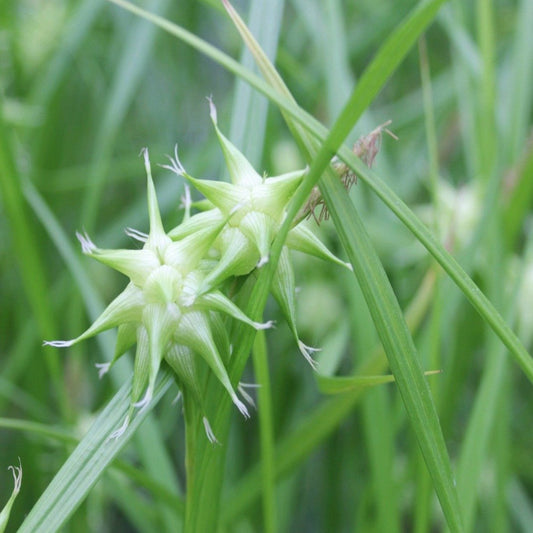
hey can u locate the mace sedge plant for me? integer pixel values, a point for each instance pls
(255, 207)
(172, 306)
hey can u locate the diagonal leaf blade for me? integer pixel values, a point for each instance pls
(88, 461)
(382, 303)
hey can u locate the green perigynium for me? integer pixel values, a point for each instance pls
(173, 305)
(255, 207)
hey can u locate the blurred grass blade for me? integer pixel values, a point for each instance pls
(518, 104)
(28, 258)
(128, 75)
(292, 449)
(343, 384)
(72, 38)
(221, 58)
(39, 430)
(249, 112)
(519, 193)
(88, 461)
(520, 505)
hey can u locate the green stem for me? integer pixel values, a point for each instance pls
(260, 360)
(191, 436)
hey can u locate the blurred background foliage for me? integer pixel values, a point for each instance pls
(85, 85)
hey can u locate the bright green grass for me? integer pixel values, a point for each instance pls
(86, 84)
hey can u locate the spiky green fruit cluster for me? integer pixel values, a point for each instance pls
(171, 308)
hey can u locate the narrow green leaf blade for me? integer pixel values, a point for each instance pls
(398, 344)
(378, 293)
(88, 461)
(342, 384)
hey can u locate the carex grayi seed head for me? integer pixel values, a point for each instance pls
(174, 292)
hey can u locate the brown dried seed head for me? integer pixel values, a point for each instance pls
(366, 148)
